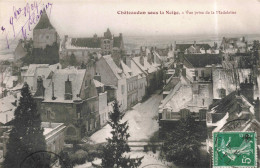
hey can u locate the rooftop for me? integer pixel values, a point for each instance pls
(76, 76)
(116, 70)
(44, 22)
(202, 60)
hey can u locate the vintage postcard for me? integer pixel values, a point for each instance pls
(129, 84)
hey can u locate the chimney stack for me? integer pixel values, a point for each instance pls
(128, 61)
(183, 72)
(141, 60)
(40, 88)
(68, 89)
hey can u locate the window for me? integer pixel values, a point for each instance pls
(202, 73)
(168, 115)
(196, 72)
(222, 93)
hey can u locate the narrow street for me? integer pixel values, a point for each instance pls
(140, 120)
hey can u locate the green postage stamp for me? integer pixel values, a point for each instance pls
(234, 149)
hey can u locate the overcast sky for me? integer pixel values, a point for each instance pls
(86, 17)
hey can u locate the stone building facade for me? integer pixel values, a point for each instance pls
(114, 80)
(69, 96)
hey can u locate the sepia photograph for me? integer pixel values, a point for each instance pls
(129, 84)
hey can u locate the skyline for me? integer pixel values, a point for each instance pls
(90, 17)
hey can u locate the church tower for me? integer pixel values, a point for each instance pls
(44, 33)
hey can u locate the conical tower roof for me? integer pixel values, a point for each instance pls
(44, 22)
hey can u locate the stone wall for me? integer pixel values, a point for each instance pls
(44, 37)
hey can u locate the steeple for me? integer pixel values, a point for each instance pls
(44, 22)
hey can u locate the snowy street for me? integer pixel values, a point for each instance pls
(140, 120)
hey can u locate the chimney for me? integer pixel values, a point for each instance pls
(183, 72)
(68, 89)
(53, 97)
(141, 60)
(194, 43)
(40, 88)
(97, 77)
(149, 58)
(128, 61)
(246, 46)
(215, 45)
(66, 38)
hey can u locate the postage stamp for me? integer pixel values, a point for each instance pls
(234, 149)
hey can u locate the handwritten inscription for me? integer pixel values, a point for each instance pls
(31, 12)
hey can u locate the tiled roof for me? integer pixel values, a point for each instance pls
(202, 60)
(230, 104)
(86, 42)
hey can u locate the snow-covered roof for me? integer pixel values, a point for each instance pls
(223, 79)
(179, 97)
(9, 81)
(7, 109)
(117, 71)
(50, 129)
(221, 123)
(147, 67)
(43, 72)
(76, 76)
(97, 83)
(127, 71)
(32, 69)
(136, 70)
